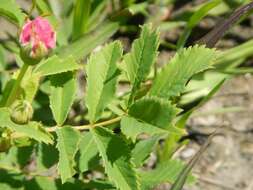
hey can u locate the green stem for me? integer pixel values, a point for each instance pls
(89, 126)
(14, 90)
(80, 128)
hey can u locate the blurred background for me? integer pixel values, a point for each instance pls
(228, 162)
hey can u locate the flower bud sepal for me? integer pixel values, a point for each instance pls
(32, 58)
(21, 112)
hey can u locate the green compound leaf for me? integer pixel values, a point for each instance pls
(150, 115)
(142, 150)
(172, 79)
(131, 127)
(138, 62)
(32, 130)
(63, 92)
(101, 81)
(116, 157)
(56, 65)
(88, 153)
(11, 10)
(67, 145)
(154, 111)
(167, 171)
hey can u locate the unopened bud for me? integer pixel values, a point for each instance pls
(21, 111)
(37, 38)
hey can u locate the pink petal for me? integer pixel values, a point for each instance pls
(45, 32)
(39, 34)
(25, 35)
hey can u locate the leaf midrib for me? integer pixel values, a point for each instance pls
(139, 65)
(101, 92)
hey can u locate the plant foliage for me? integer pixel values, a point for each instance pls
(96, 107)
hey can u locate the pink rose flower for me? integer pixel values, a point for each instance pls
(37, 38)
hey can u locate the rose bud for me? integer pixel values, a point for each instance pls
(21, 111)
(37, 38)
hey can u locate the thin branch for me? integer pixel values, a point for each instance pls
(89, 126)
(104, 123)
(15, 135)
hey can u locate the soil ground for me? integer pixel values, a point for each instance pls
(228, 162)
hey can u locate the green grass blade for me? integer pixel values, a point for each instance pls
(182, 121)
(81, 18)
(10, 10)
(195, 19)
(179, 183)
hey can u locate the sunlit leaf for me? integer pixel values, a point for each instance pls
(132, 128)
(67, 145)
(143, 149)
(88, 153)
(101, 81)
(63, 92)
(154, 111)
(116, 157)
(138, 62)
(56, 65)
(172, 79)
(30, 85)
